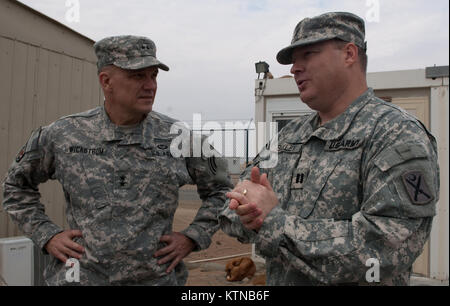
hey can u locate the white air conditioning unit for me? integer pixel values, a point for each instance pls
(17, 261)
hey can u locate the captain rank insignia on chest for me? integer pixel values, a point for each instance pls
(298, 178)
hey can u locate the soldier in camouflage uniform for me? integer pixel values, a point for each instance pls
(356, 180)
(120, 181)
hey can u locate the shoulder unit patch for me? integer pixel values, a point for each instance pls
(416, 187)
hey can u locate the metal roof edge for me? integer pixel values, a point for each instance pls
(51, 20)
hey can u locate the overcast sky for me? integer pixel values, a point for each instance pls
(211, 46)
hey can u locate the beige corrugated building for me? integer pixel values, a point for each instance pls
(47, 71)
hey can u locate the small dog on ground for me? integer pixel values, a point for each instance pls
(239, 268)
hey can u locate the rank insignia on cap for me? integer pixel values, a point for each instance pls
(20, 155)
(416, 187)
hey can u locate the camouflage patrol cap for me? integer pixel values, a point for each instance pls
(127, 52)
(344, 26)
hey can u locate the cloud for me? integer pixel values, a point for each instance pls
(211, 45)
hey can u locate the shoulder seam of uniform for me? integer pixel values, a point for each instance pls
(404, 116)
(389, 105)
(87, 114)
(162, 117)
(396, 108)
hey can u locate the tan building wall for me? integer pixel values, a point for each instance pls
(47, 71)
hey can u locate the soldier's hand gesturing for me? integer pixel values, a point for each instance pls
(63, 247)
(256, 204)
(178, 247)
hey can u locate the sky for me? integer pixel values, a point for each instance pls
(211, 46)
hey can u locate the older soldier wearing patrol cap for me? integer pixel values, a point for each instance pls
(119, 179)
(356, 182)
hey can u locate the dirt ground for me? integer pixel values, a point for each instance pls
(210, 273)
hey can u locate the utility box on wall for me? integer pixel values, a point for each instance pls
(16, 261)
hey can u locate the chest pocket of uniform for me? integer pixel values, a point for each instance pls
(155, 171)
(97, 177)
(83, 172)
(312, 184)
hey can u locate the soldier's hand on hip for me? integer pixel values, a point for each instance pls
(178, 247)
(63, 247)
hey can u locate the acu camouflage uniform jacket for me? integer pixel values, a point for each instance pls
(121, 190)
(362, 186)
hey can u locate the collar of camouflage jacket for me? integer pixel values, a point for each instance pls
(140, 134)
(335, 128)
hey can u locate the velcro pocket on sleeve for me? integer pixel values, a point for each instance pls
(412, 186)
(31, 150)
(398, 154)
